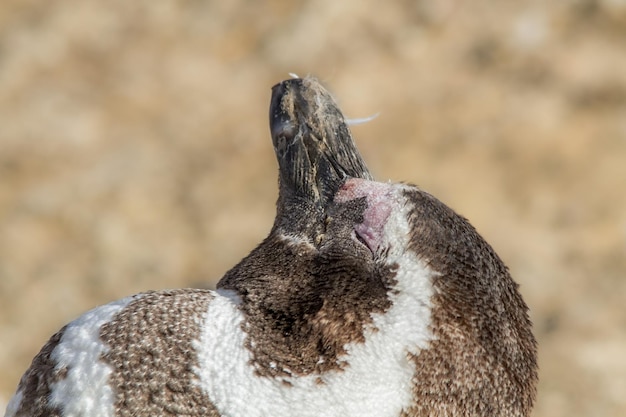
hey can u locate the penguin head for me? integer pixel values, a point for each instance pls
(315, 154)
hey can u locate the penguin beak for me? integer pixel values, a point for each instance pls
(313, 144)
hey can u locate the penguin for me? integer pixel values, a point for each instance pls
(365, 299)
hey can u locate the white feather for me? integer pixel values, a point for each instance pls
(361, 120)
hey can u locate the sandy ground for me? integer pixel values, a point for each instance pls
(135, 153)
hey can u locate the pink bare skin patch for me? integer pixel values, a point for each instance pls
(379, 203)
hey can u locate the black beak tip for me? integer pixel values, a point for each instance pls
(282, 125)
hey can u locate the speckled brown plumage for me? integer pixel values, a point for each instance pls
(36, 382)
(483, 358)
(153, 356)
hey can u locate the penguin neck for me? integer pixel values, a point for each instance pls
(299, 313)
(298, 216)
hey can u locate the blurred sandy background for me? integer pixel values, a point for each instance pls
(135, 153)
